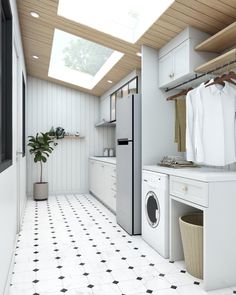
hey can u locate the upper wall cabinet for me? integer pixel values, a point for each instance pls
(126, 89)
(178, 59)
(105, 109)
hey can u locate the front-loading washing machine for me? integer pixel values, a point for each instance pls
(155, 211)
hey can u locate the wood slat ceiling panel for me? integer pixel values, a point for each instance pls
(37, 34)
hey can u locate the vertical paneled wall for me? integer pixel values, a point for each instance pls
(50, 105)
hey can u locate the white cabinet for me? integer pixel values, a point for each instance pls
(217, 202)
(165, 69)
(178, 58)
(173, 65)
(102, 182)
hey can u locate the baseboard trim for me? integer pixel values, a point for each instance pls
(9, 276)
(11, 267)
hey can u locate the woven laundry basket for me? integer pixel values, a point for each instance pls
(191, 228)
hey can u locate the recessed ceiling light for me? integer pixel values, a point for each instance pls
(35, 56)
(109, 81)
(34, 14)
(139, 54)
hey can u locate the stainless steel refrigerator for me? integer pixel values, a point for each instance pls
(128, 156)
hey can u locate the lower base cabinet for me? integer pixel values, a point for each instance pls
(102, 182)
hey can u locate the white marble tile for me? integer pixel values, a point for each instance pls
(95, 256)
(106, 289)
(225, 291)
(124, 275)
(156, 283)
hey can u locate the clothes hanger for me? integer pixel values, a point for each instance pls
(217, 80)
(181, 93)
(228, 77)
(224, 77)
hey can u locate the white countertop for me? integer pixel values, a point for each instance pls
(202, 174)
(110, 160)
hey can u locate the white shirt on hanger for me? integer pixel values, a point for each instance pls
(193, 126)
(215, 125)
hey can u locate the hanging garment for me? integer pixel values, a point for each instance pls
(192, 99)
(210, 130)
(180, 124)
(215, 131)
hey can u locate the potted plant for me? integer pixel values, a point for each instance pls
(40, 147)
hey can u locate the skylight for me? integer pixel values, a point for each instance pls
(124, 19)
(79, 61)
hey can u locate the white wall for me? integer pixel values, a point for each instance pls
(8, 178)
(50, 105)
(158, 115)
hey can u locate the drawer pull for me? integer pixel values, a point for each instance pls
(185, 188)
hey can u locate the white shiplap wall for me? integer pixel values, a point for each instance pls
(49, 105)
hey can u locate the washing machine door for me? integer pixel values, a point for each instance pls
(152, 209)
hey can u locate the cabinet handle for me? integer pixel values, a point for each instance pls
(171, 75)
(185, 188)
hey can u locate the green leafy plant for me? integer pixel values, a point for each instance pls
(40, 147)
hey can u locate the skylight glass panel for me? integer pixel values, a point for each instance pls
(79, 61)
(124, 19)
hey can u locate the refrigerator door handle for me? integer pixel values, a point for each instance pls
(123, 141)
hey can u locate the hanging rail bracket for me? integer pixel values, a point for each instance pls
(200, 76)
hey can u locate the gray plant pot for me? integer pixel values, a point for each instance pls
(40, 191)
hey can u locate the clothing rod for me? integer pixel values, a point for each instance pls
(200, 76)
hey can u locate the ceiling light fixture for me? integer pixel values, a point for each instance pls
(139, 54)
(109, 81)
(35, 56)
(34, 14)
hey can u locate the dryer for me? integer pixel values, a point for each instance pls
(155, 211)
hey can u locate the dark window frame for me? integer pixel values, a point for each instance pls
(5, 85)
(23, 115)
(115, 93)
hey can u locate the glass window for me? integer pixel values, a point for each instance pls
(125, 90)
(113, 107)
(119, 93)
(23, 115)
(133, 86)
(79, 61)
(127, 20)
(5, 86)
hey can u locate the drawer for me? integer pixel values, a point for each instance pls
(190, 190)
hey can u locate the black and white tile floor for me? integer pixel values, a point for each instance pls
(72, 245)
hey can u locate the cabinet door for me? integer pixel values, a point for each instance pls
(105, 109)
(181, 60)
(91, 176)
(166, 69)
(133, 86)
(113, 107)
(96, 177)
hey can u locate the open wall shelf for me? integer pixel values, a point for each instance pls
(68, 137)
(222, 40)
(219, 61)
(106, 124)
